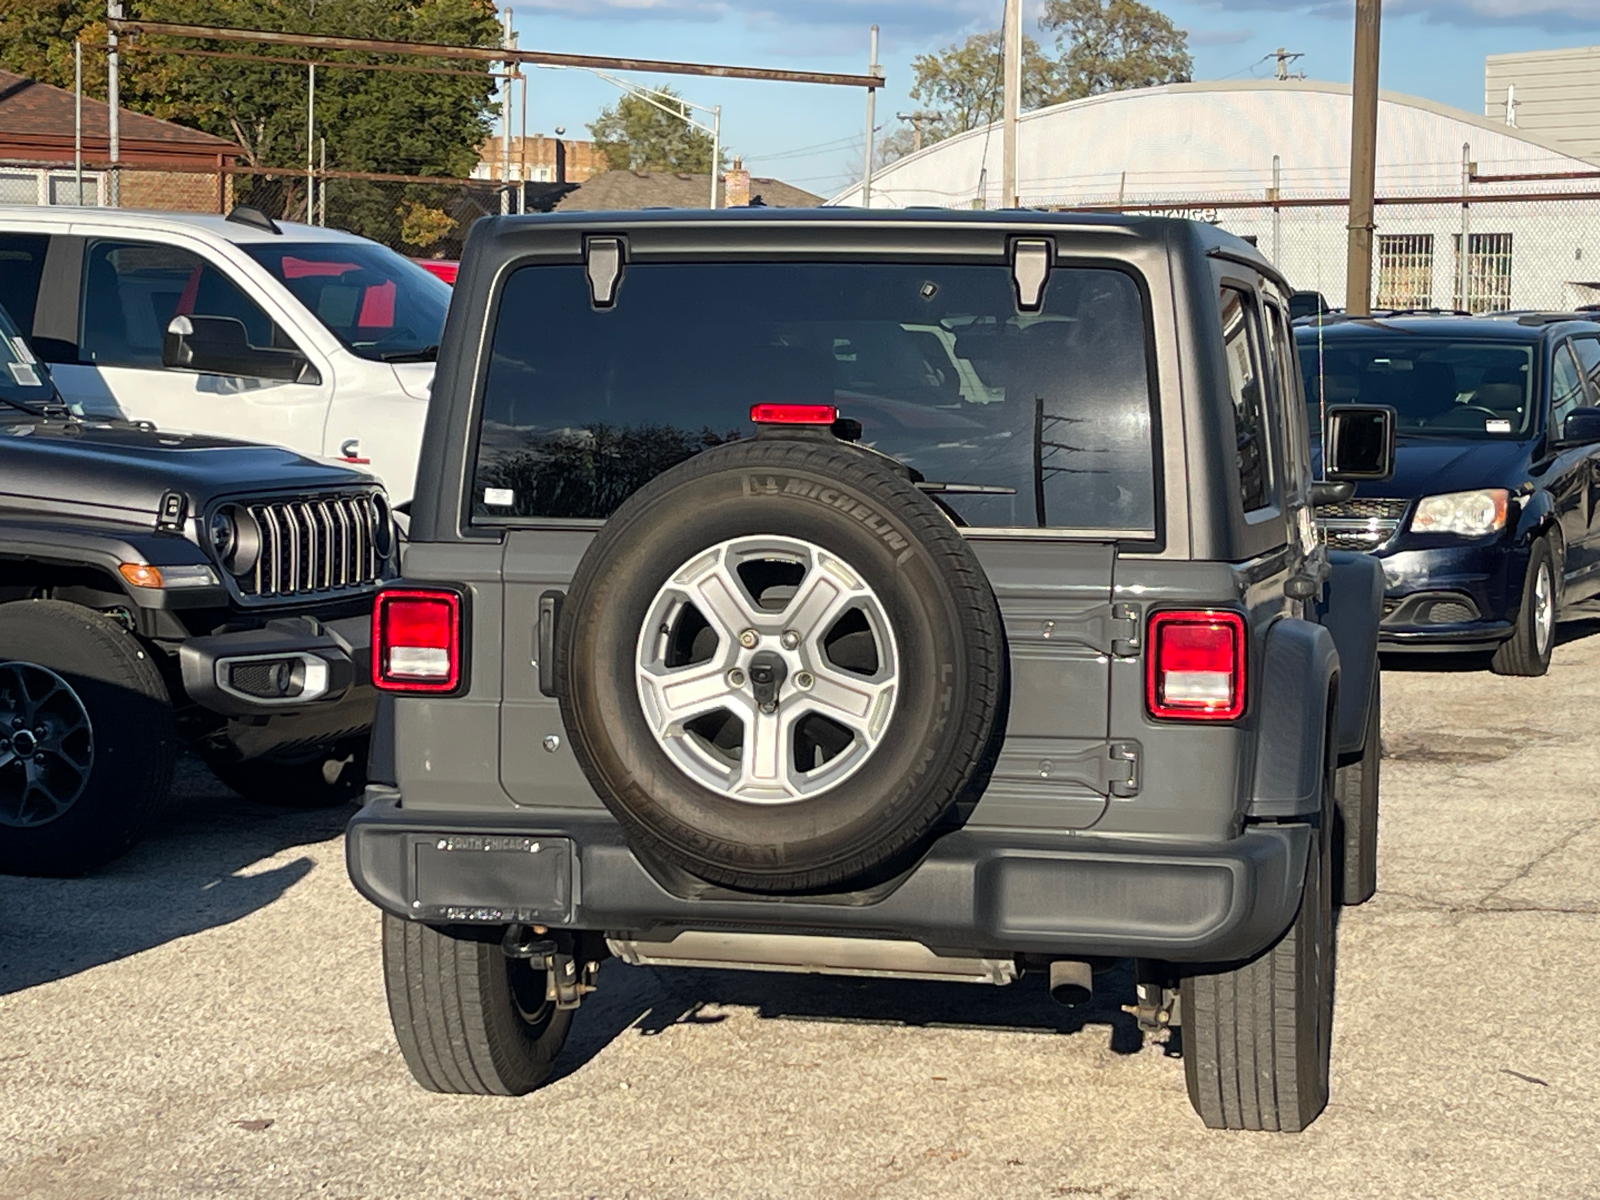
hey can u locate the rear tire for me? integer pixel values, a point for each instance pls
(1355, 796)
(332, 776)
(1528, 650)
(469, 1020)
(82, 791)
(1256, 1039)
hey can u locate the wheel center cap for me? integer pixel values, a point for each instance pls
(24, 743)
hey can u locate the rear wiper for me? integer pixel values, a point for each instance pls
(964, 489)
(426, 354)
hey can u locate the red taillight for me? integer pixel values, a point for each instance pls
(1195, 666)
(793, 414)
(416, 641)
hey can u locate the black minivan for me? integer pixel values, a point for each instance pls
(1490, 528)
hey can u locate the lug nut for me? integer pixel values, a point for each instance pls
(39, 758)
(789, 640)
(804, 681)
(17, 722)
(736, 678)
(749, 638)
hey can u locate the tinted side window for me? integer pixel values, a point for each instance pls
(1566, 389)
(1241, 335)
(21, 266)
(1045, 416)
(1290, 414)
(1588, 351)
(131, 290)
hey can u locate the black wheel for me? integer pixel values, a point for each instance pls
(1256, 1038)
(1527, 651)
(324, 778)
(780, 665)
(469, 1020)
(1355, 796)
(87, 743)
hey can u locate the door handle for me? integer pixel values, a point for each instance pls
(544, 647)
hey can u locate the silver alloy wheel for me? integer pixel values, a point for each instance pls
(46, 745)
(1544, 610)
(767, 669)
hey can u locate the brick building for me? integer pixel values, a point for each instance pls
(167, 166)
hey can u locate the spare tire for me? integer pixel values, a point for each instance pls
(780, 665)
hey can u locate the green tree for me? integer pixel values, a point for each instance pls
(963, 84)
(1101, 46)
(636, 135)
(1114, 45)
(388, 121)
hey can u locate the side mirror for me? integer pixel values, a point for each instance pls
(1581, 426)
(221, 346)
(1358, 444)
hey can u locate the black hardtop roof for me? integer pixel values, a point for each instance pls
(1141, 226)
(1441, 325)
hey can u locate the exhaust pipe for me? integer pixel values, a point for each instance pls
(1071, 983)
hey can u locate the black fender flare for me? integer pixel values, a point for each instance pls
(1300, 668)
(70, 545)
(1350, 613)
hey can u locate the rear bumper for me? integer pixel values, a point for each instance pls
(976, 890)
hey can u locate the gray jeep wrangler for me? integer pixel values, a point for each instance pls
(931, 595)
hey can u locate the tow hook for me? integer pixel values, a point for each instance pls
(566, 978)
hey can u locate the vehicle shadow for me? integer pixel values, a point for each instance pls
(184, 877)
(1567, 632)
(650, 1000)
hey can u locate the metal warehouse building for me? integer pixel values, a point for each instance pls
(1270, 159)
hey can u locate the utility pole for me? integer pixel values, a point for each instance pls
(1285, 57)
(77, 118)
(113, 104)
(509, 40)
(1011, 103)
(919, 122)
(872, 108)
(1363, 159)
(311, 143)
(716, 149)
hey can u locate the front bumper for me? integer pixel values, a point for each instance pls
(981, 890)
(1451, 597)
(294, 684)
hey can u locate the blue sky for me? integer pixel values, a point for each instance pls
(811, 136)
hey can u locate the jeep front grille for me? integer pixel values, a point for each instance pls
(1361, 524)
(320, 545)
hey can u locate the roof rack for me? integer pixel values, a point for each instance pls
(1533, 316)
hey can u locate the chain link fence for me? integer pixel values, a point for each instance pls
(1533, 250)
(421, 217)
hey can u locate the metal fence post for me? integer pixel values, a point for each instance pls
(1463, 250)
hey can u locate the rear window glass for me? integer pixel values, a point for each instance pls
(1050, 410)
(1438, 388)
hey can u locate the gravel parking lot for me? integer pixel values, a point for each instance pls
(206, 1018)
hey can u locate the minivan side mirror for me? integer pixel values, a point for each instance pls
(1581, 427)
(221, 346)
(1358, 443)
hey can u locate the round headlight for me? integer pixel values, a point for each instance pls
(223, 534)
(382, 526)
(235, 539)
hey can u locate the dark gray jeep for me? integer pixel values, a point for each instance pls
(161, 590)
(929, 595)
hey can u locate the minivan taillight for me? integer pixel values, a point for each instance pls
(1195, 669)
(416, 640)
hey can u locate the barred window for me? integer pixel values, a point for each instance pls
(1488, 272)
(1405, 270)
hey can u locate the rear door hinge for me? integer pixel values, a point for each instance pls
(1108, 629)
(1122, 770)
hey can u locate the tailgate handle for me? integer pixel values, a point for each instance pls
(544, 649)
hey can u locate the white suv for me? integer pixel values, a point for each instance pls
(305, 337)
